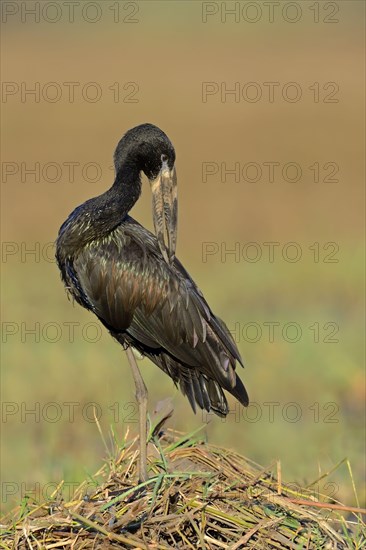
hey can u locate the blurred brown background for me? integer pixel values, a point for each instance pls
(170, 63)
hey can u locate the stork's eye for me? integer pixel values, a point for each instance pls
(164, 158)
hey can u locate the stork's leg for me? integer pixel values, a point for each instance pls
(141, 398)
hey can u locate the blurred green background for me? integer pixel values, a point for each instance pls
(308, 395)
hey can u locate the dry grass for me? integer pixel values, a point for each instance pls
(198, 496)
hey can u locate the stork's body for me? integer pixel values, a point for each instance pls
(125, 275)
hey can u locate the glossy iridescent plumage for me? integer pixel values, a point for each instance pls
(118, 270)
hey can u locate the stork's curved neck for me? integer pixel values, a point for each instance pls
(110, 208)
(125, 190)
(99, 216)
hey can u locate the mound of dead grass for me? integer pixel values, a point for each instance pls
(198, 496)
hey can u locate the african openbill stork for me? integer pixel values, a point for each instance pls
(131, 280)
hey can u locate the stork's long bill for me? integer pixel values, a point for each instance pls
(165, 210)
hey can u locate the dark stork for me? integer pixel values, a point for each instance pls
(131, 280)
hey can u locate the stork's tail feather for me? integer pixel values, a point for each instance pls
(197, 383)
(201, 390)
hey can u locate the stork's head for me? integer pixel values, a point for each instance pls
(147, 148)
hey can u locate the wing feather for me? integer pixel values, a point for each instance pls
(158, 309)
